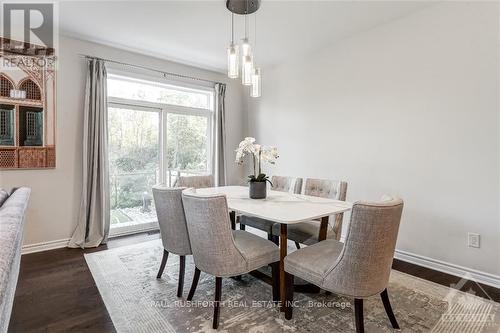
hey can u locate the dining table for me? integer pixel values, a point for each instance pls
(283, 208)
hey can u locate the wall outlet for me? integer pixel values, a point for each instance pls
(473, 240)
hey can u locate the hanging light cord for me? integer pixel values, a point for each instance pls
(255, 35)
(246, 26)
(232, 28)
(246, 21)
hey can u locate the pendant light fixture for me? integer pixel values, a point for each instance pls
(232, 55)
(250, 75)
(245, 44)
(246, 60)
(246, 71)
(256, 89)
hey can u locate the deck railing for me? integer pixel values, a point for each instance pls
(128, 189)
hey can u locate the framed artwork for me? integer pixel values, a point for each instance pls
(27, 106)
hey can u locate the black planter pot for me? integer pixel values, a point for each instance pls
(258, 190)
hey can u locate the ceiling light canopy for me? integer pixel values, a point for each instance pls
(243, 7)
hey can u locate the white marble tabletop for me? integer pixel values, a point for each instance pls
(281, 207)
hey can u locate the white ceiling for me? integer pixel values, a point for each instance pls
(198, 32)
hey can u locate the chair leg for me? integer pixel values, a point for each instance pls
(358, 315)
(275, 272)
(163, 263)
(194, 284)
(242, 226)
(182, 269)
(288, 296)
(218, 292)
(297, 245)
(275, 239)
(388, 309)
(269, 237)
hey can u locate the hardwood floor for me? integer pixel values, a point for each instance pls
(448, 280)
(56, 291)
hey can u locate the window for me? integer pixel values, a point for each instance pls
(134, 163)
(157, 131)
(155, 92)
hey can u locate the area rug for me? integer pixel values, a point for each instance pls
(138, 302)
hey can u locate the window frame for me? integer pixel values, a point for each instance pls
(164, 109)
(171, 84)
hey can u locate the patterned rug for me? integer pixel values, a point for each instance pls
(138, 302)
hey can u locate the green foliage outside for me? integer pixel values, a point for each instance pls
(187, 142)
(134, 151)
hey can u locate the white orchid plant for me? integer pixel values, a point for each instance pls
(259, 154)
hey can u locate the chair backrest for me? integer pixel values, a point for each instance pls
(212, 242)
(326, 188)
(334, 189)
(171, 218)
(364, 266)
(196, 181)
(286, 184)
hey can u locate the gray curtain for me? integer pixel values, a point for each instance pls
(220, 135)
(93, 220)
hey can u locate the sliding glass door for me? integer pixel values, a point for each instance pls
(134, 164)
(157, 134)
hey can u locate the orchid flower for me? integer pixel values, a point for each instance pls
(245, 147)
(269, 154)
(259, 153)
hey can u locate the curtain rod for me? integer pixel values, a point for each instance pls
(150, 69)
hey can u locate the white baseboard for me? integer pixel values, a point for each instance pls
(445, 267)
(60, 243)
(44, 246)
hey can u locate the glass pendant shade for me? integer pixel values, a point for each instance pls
(245, 48)
(256, 90)
(232, 61)
(246, 71)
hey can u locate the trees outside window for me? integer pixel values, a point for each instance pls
(157, 132)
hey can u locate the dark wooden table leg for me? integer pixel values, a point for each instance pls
(283, 251)
(232, 216)
(276, 281)
(323, 228)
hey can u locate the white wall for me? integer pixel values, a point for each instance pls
(410, 108)
(56, 193)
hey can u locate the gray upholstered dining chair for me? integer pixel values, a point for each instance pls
(173, 228)
(358, 268)
(220, 251)
(202, 182)
(196, 181)
(278, 183)
(308, 232)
